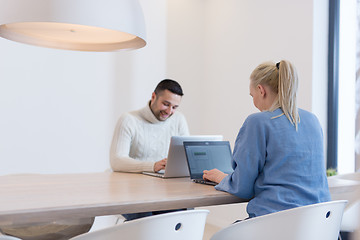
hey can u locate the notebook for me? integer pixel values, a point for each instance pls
(176, 165)
(207, 155)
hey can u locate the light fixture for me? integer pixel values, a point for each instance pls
(83, 25)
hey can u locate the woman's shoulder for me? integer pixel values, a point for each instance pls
(306, 115)
(256, 120)
(264, 116)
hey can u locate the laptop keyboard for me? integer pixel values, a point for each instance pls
(202, 181)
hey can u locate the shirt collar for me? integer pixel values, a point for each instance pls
(148, 114)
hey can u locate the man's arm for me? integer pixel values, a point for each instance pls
(120, 149)
(183, 126)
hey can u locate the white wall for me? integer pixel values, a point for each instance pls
(59, 108)
(215, 45)
(54, 109)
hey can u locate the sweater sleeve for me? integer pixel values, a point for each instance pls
(248, 160)
(183, 126)
(120, 149)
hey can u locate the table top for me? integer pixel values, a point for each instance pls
(344, 189)
(339, 185)
(27, 198)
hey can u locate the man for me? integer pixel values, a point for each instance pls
(141, 139)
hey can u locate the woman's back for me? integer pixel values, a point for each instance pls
(276, 165)
(293, 172)
(278, 157)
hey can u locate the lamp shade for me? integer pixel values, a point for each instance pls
(83, 25)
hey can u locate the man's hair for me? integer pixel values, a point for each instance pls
(171, 85)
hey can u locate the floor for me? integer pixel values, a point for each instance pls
(222, 216)
(210, 230)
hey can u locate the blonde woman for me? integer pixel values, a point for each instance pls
(278, 158)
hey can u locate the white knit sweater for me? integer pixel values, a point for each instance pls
(140, 139)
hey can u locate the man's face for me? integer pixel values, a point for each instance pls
(164, 104)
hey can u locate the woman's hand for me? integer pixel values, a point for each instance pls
(214, 175)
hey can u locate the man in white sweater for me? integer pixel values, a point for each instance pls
(141, 138)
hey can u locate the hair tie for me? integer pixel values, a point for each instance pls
(278, 65)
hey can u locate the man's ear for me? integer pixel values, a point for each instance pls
(153, 96)
(262, 90)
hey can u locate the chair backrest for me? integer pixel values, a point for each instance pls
(179, 225)
(311, 222)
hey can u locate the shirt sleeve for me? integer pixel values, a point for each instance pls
(120, 149)
(183, 126)
(248, 159)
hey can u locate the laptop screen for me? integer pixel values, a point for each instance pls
(206, 156)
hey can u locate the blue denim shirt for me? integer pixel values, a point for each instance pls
(276, 166)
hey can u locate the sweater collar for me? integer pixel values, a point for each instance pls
(148, 114)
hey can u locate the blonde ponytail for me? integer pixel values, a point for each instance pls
(282, 79)
(288, 85)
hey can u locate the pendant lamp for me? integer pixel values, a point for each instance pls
(82, 25)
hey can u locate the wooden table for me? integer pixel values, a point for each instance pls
(34, 198)
(339, 185)
(344, 189)
(31, 198)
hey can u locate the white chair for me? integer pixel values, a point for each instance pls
(180, 225)
(312, 222)
(351, 217)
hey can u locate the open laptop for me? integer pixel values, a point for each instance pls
(176, 165)
(207, 155)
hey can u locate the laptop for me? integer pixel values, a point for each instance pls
(176, 165)
(207, 155)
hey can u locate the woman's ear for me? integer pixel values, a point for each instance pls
(261, 89)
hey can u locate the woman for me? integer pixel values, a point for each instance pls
(278, 158)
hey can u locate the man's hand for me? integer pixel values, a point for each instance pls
(214, 175)
(159, 165)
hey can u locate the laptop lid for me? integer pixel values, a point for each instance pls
(207, 155)
(177, 165)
